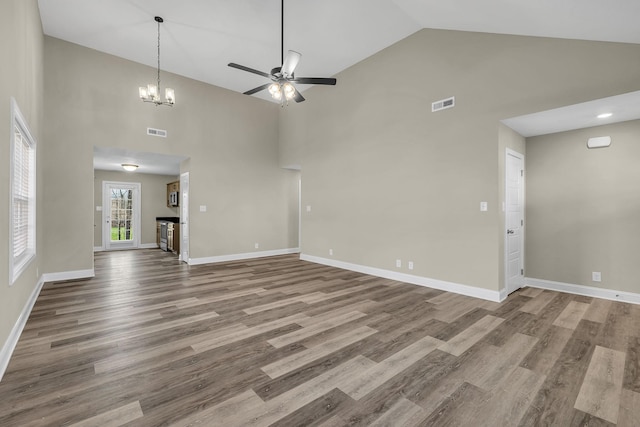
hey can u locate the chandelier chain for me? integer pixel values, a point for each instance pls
(158, 56)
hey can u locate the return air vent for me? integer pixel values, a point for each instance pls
(443, 104)
(157, 132)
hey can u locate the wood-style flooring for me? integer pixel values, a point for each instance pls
(283, 342)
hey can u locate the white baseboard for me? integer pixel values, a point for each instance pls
(457, 288)
(589, 291)
(148, 246)
(141, 246)
(16, 331)
(68, 275)
(238, 257)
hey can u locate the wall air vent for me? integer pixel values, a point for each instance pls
(443, 104)
(157, 132)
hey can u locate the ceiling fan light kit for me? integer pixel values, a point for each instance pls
(151, 92)
(282, 87)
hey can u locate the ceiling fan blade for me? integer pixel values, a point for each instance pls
(257, 89)
(250, 70)
(298, 97)
(290, 63)
(314, 80)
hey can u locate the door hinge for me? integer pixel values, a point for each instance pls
(522, 271)
(521, 172)
(522, 222)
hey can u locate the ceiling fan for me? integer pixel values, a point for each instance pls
(282, 78)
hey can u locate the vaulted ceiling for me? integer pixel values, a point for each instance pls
(200, 37)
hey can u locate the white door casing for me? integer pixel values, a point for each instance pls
(133, 240)
(184, 217)
(514, 220)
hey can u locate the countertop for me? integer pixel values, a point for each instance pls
(173, 219)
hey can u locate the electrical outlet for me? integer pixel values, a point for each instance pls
(257, 245)
(203, 208)
(399, 263)
(410, 265)
(596, 276)
(330, 251)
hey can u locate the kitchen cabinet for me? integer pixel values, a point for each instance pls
(173, 192)
(168, 233)
(173, 237)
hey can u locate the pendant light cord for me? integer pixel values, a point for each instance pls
(282, 32)
(158, 56)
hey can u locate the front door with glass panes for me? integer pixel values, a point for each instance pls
(120, 215)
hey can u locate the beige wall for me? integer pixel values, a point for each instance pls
(153, 201)
(583, 207)
(388, 179)
(21, 44)
(231, 139)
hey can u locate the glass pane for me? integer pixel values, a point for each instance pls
(121, 214)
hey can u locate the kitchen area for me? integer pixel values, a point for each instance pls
(147, 217)
(168, 227)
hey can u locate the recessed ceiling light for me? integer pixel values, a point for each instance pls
(604, 115)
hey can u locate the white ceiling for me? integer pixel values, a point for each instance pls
(578, 116)
(200, 37)
(111, 159)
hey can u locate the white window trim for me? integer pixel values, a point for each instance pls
(18, 265)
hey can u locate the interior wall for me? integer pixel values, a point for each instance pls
(388, 179)
(91, 99)
(21, 45)
(583, 208)
(153, 201)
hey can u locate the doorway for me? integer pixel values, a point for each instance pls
(184, 217)
(121, 215)
(514, 220)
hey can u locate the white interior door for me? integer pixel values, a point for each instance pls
(120, 215)
(184, 217)
(514, 220)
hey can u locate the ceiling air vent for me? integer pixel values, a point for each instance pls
(443, 104)
(157, 132)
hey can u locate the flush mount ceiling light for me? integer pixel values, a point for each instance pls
(151, 92)
(604, 115)
(129, 167)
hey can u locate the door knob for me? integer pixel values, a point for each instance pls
(510, 232)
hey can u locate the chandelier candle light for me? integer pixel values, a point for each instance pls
(151, 92)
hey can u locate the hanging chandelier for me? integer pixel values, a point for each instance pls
(151, 92)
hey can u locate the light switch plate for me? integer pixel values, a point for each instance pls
(203, 208)
(99, 208)
(484, 206)
(308, 208)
